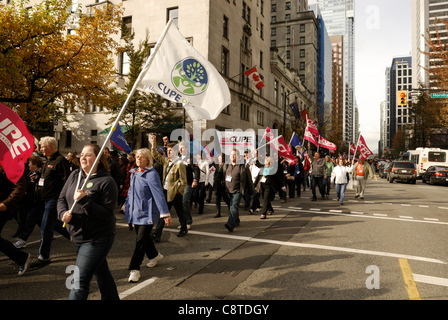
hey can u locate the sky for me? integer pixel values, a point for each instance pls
(382, 32)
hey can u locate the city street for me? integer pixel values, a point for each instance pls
(391, 245)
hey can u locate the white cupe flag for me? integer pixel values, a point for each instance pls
(177, 72)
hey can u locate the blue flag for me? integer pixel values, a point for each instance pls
(119, 141)
(295, 109)
(297, 144)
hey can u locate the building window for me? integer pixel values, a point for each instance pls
(261, 7)
(246, 12)
(225, 62)
(273, 19)
(125, 63)
(302, 66)
(127, 24)
(302, 28)
(276, 92)
(273, 7)
(244, 112)
(302, 53)
(260, 118)
(273, 31)
(225, 27)
(273, 43)
(68, 139)
(288, 30)
(173, 13)
(93, 133)
(302, 40)
(288, 5)
(261, 59)
(261, 30)
(288, 17)
(288, 54)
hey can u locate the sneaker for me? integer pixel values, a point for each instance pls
(153, 261)
(24, 267)
(40, 262)
(134, 276)
(19, 244)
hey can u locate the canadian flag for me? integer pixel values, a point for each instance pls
(253, 75)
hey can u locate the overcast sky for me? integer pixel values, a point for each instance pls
(382, 32)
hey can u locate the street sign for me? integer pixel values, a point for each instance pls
(439, 95)
(57, 125)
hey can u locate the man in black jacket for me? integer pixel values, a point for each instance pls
(54, 174)
(193, 175)
(237, 179)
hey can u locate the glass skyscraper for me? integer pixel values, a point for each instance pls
(338, 16)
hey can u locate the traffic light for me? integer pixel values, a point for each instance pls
(402, 98)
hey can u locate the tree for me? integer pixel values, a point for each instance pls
(43, 66)
(145, 110)
(436, 109)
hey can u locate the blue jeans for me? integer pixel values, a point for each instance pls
(49, 224)
(234, 217)
(340, 191)
(91, 261)
(185, 203)
(47, 228)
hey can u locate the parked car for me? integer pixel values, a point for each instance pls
(382, 170)
(402, 170)
(436, 175)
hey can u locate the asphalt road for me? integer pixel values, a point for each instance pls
(391, 245)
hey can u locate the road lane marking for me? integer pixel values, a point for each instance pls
(431, 219)
(380, 215)
(315, 246)
(411, 287)
(137, 288)
(405, 205)
(430, 280)
(356, 212)
(422, 206)
(445, 208)
(406, 217)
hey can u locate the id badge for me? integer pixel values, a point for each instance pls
(229, 178)
(263, 179)
(41, 182)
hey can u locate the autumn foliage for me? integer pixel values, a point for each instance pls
(44, 66)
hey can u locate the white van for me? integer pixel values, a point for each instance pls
(426, 157)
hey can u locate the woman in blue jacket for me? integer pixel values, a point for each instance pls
(145, 205)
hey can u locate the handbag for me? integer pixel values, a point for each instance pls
(350, 185)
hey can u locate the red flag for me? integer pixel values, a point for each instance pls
(253, 75)
(363, 148)
(284, 150)
(352, 149)
(280, 145)
(16, 146)
(310, 126)
(326, 144)
(309, 136)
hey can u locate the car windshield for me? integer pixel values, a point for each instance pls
(386, 166)
(405, 165)
(441, 169)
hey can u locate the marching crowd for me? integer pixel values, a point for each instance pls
(145, 185)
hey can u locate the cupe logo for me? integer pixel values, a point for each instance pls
(190, 77)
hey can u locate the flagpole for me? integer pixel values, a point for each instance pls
(123, 108)
(269, 142)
